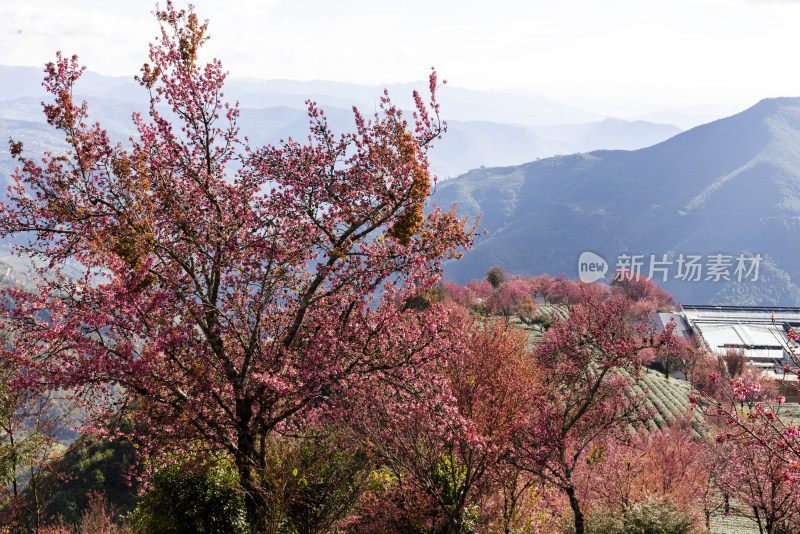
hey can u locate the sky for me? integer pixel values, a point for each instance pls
(623, 53)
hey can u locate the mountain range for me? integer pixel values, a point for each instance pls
(484, 128)
(722, 191)
(548, 190)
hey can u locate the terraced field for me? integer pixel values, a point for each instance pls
(732, 524)
(669, 401)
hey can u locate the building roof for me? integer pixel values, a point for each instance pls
(681, 326)
(759, 332)
(771, 314)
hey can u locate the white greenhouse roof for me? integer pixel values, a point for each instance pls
(759, 332)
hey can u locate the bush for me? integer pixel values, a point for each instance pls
(390, 505)
(545, 321)
(496, 277)
(653, 516)
(320, 479)
(186, 501)
(97, 518)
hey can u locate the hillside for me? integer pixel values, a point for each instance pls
(728, 187)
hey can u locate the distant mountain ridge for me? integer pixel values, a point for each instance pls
(484, 128)
(724, 188)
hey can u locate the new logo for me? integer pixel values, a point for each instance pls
(591, 267)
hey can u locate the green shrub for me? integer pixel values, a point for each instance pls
(320, 480)
(183, 501)
(543, 320)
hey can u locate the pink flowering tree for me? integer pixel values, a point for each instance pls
(509, 296)
(513, 297)
(668, 465)
(449, 438)
(562, 290)
(463, 296)
(225, 291)
(588, 363)
(750, 409)
(754, 480)
(636, 287)
(749, 412)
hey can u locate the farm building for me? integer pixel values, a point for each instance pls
(761, 333)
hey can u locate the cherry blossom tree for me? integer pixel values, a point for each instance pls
(562, 290)
(668, 465)
(754, 478)
(449, 437)
(588, 363)
(513, 297)
(635, 287)
(749, 408)
(226, 291)
(751, 412)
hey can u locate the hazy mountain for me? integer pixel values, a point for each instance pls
(484, 128)
(690, 117)
(728, 187)
(458, 103)
(613, 134)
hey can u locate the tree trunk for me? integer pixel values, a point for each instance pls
(13, 463)
(580, 527)
(758, 520)
(255, 496)
(36, 509)
(457, 526)
(254, 500)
